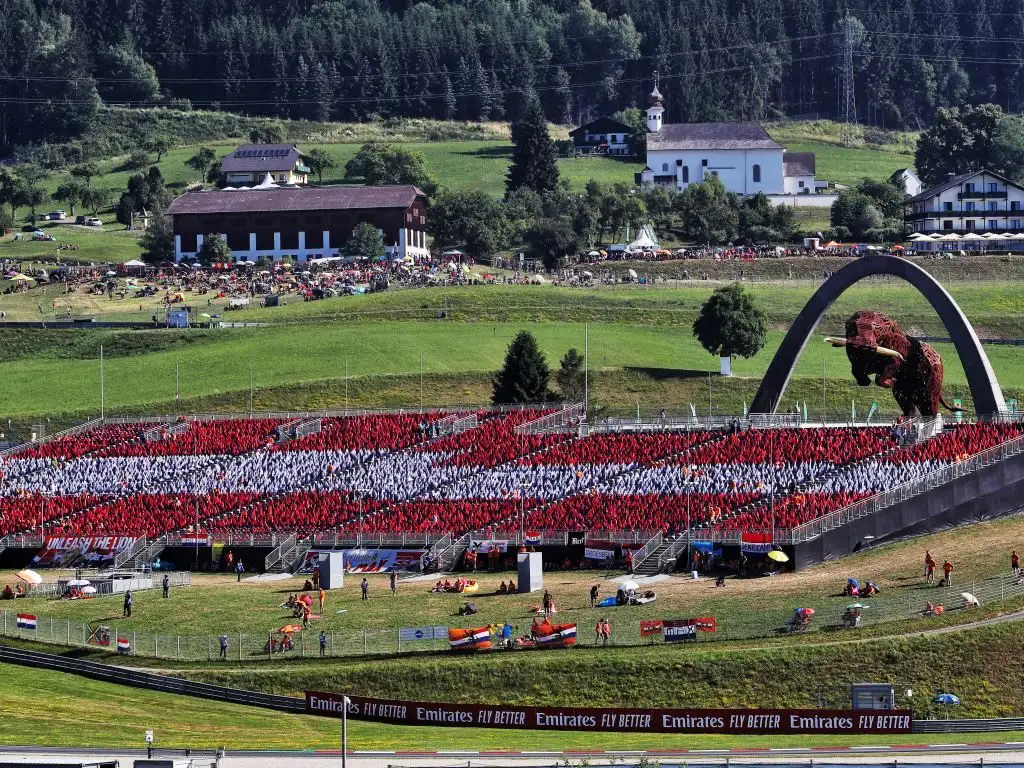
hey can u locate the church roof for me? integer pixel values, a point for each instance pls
(711, 136)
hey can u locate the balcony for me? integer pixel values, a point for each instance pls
(979, 195)
(964, 214)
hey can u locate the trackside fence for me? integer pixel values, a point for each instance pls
(168, 684)
(247, 645)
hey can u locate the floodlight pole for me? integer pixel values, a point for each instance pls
(101, 383)
(344, 731)
(586, 368)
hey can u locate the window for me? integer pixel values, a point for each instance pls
(664, 167)
(757, 174)
(1015, 205)
(969, 206)
(1014, 223)
(993, 224)
(800, 184)
(993, 186)
(686, 174)
(947, 224)
(679, 163)
(993, 205)
(704, 163)
(969, 225)
(969, 187)
(947, 206)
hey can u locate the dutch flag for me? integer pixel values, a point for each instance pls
(26, 621)
(564, 633)
(123, 646)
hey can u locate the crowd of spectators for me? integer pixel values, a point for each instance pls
(401, 473)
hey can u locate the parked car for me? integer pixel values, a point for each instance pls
(93, 222)
(81, 219)
(57, 215)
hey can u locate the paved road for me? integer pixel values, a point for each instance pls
(1006, 755)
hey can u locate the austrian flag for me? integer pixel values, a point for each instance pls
(26, 621)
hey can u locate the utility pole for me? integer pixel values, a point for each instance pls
(847, 90)
(101, 383)
(586, 369)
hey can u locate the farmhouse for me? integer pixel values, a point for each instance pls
(977, 201)
(742, 155)
(250, 163)
(603, 136)
(302, 222)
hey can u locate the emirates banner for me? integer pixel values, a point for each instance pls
(612, 719)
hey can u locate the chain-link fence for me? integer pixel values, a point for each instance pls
(625, 629)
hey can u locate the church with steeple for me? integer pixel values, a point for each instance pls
(742, 155)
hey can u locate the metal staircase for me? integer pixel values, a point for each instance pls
(271, 563)
(149, 553)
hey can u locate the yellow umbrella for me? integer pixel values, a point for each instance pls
(29, 577)
(778, 557)
(20, 278)
(287, 629)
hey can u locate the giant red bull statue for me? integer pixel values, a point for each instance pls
(877, 346)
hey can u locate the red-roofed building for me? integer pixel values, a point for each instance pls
(303, 222)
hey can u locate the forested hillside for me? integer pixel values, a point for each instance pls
(349, 59)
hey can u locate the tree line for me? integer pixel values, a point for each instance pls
(350, 59)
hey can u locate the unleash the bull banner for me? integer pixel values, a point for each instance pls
(622, 719)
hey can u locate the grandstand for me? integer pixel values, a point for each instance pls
(282, 483)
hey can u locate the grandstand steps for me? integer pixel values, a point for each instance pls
(449, 556)
(664, 556)
(146, 554)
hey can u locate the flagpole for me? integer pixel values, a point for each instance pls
(586, 367)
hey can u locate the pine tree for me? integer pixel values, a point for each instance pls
(322, 84)
(463, 85)
(571, 378)
(533, 154)
(482, 93)
(524, 376)
(497, 98)
(451, 106)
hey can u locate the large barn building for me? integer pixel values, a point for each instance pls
(304, 222)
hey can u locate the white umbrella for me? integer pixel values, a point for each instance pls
(950, 236)
(993, 236)
(969, 599)
(588, 274)
(538, 279)
(88, 590)
(111, 273)
(1019, 236)
(632, 273)
(78, 583)
(972, 236)
(917, 237)
(29, 576)
(593, 253)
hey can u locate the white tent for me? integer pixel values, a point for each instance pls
(917, 237)
(645, 242)
(950, 236)
(267, 183)
(993, 236)
(135, 263)
(972, 236)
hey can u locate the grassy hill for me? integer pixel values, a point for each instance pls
(642, 352)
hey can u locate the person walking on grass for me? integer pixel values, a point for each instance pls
(594, 590)
(323, 643)
(167, 585)
(394, 583)
(127, 612)
(224, 647)
(929, 567)
(239, 570)
(323, 597)
(365, 587)
(1015, 563)
(947, 570)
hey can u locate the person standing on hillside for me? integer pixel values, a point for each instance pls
(127, 613)
(1015, 563)
(947, 570)
(929, 567)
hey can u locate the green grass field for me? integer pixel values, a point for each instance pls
(98, 714)
(641, 347)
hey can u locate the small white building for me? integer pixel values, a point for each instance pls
(908, 181)
(978, 201)
(742, 155)
(603, 136)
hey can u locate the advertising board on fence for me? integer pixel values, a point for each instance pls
(412, 634)
(486, 545)
(676, 630)
(756, 543)
(598, 554)
(370, 560)
(618, 719)
(95, 549)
